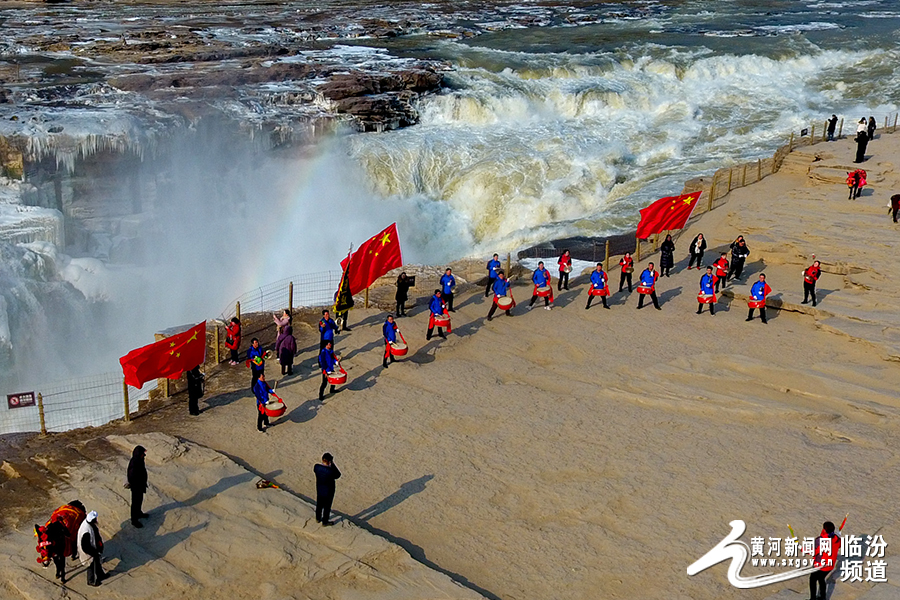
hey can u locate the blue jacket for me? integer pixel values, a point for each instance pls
(706, 284)
(261, 390)
(327, 360)
(327, 328)
(541, 277)
(501, 287)
(436, 305)
(390, 331)
(492, 267)
(758, 290)
(254, 352)
(597, 280)
(647, 278)
(447, 283)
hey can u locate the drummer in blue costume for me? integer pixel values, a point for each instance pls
(647, 286)
(599, 286)
(501, 289)
(541, 278)
(707, 293)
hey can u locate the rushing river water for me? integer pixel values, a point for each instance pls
(557, 119)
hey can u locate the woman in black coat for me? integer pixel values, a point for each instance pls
(403, 285)
(667, 255)
(698, 245)
(137, 482)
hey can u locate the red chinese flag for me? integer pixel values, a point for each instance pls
(167, 358)
(666, 214)
(375, 257)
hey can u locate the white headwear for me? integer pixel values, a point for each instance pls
(92, 516)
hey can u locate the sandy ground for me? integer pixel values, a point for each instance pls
(596, 454)
(211, 531)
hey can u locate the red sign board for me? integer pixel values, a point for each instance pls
(20, 400)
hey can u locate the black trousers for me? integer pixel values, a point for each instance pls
(322, 387)
(854, 191)
(652, 297)
(494, 309)
(698, 257)
(712, 308)
(431, 331)
(323, 507)
(894, 212)
(194, 404)
(261, 419)
(721, 279)
(625, 276)
(591, 298)
(563, 281)
(401, 309)
(817, 577)
(387, 354)
(490, 284)
(535, 297)
(809, 289)
(137, 502)
(737, 267)
(762, 314)
(665, 270)
(234, 355)
(95, 572)
(449, 299)
(860, 152)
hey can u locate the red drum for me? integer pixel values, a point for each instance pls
(544, 291)
(399, 349)
(566, 268)
(755, 303)
(643, 289)
(706, 298)
(442, 320)
(504, 302)
(274, 409)
(599, 292)
(337, 377)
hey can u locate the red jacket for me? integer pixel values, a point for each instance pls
(811, 275)
(626, 263)
(721, 267)
(564, 260)
(826, 560)
(233, 330)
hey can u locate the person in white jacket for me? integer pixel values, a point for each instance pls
(90, 548)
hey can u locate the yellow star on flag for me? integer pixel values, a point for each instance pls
(386, 239)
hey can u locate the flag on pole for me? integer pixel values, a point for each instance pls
(667, 213)
(168, 357)
(343, 300)
(375, 257)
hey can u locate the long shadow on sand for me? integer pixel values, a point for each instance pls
(669, 295)
(406, 490)
(301, 414)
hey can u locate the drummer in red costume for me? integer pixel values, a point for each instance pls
(437, 308)
(542, 286)
(501, 293)
(810, 277)
(627, 264)
(599, 286)
(565, 267)
(758, 294)
(647, 286)
(390, 336)
(721, 271)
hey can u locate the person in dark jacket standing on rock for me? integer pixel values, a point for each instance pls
(137, 483)
(195, 389)
(895, 206)
(286, 348)
(862, 140)
(870, 130)
(326, 474)
(832, 125)
(697, 247)
(403, 285)
(667, 255)
(739, 254)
